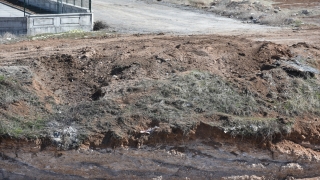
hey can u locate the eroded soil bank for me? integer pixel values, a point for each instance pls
(210, 154)
(219, 107)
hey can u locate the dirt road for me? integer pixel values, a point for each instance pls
(134, 16)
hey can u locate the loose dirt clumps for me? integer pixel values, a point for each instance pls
(192, 106)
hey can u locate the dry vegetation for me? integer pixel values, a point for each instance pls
(213, 103)
(7, 37)
(14, 124)
(182, 92)
(182, 101)
(99, 25)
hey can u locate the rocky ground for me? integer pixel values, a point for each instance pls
(160, 106)
(275, 13)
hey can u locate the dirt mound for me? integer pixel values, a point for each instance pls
(175, 100)
(271, 51)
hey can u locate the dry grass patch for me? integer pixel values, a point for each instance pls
(14, 125)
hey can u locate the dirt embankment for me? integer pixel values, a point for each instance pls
(212, 103)
(162, 106)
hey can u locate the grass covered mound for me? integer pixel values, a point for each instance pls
(181, 101)
(13, 95)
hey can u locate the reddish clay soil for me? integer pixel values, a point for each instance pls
(75, 71)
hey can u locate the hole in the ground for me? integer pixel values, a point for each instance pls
(118, 69)
(97, 95)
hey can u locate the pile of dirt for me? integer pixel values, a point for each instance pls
(166, 93)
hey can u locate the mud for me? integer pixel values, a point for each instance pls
(208, 157)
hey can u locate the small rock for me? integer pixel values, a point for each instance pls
(277, 8)
(150, 130)
(199, 110)
(292, 168)
(242, 54)
(289, 20)
(157, 178)
(283, 120)
(296, 68)
(305, 12)
(213, 4)
(255, 21)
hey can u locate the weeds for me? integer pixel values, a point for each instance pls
(11, 91)
(98, 25)
(258, 127)
(8, 37)
(179, 101)
(293, 95)
(73, 34)
(297, 23)
(302, 97)
(21, 127)
(85, 116)
(197, 92)
(182, 100)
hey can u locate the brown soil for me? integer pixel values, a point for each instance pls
(87, 83)
(297, 3)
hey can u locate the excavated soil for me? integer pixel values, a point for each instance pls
(65, 73)
(234, 105)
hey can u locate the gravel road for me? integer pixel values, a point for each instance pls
(137, 16)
